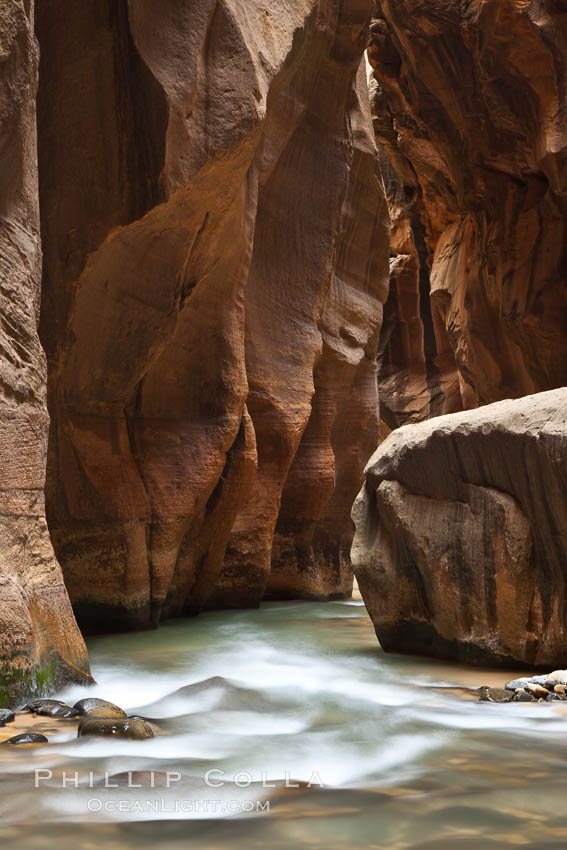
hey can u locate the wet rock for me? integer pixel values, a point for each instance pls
(536, 690)
(523, 696)
(27, 738)
(494, 527)
(92, 707)
(6, 716)
(559, 676)
(495, 694)
(51, 708)
(132, 728)
(540, 680)
(515, 684)
(559, 689)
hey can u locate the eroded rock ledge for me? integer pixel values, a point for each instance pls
(461, 535)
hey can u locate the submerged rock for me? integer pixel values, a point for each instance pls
(92, 707)
(132, 728)
(51, 708)
(27, 738)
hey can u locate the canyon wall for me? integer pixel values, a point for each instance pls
(469, 109)
(215, 240)
(40, 644)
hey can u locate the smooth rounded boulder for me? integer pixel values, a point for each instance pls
(460, 548)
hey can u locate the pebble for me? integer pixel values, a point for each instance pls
(98, 708)
(559, 689)
(27, 738)
(559, 677)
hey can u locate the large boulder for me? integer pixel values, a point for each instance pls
(468, 104)
(40, 644)
(215, 262)
(460, 547)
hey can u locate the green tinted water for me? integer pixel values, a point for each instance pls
(395, 759)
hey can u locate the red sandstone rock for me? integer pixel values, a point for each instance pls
(39, 640)
(215, 239)
(460, 537)
(469, 109)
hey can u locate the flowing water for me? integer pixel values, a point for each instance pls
(386, 753)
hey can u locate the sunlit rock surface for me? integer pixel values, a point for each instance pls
(460, 548)
(469, 107)
(215, 240)
(40, 643)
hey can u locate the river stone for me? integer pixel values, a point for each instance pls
(523, 696)
(559, 676)
(540, 680)
(27, 738)
(536, 690)
(6, 716)
(51, 708)
(134, 728)
(92, 707)
(495, 694)
(559, 689)
(516, 683)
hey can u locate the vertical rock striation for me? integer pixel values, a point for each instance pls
(40, 644)
(215, 240)
(461, 534)
(469, 109)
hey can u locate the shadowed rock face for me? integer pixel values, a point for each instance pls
(469, 107)
(215, 242)
(40, 643)
(461, 534)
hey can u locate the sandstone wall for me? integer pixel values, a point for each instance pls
(40, 643)
(215, 260)
(461, 535)
(469, 108)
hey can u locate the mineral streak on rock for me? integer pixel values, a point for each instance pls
(215, 242)
(461, 534)
(469, 110)
(40, 643)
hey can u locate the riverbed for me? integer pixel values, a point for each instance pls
(304, 735)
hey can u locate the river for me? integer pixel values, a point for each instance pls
(387, 751)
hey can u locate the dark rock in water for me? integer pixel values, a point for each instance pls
(549, 685)
(27, 738)
(495, 694)
(92, 707)
(132, 728)
(6, 716)
(205, 685)
(523, 696)
(51, 708)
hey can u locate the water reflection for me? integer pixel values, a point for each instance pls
(302, 696)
